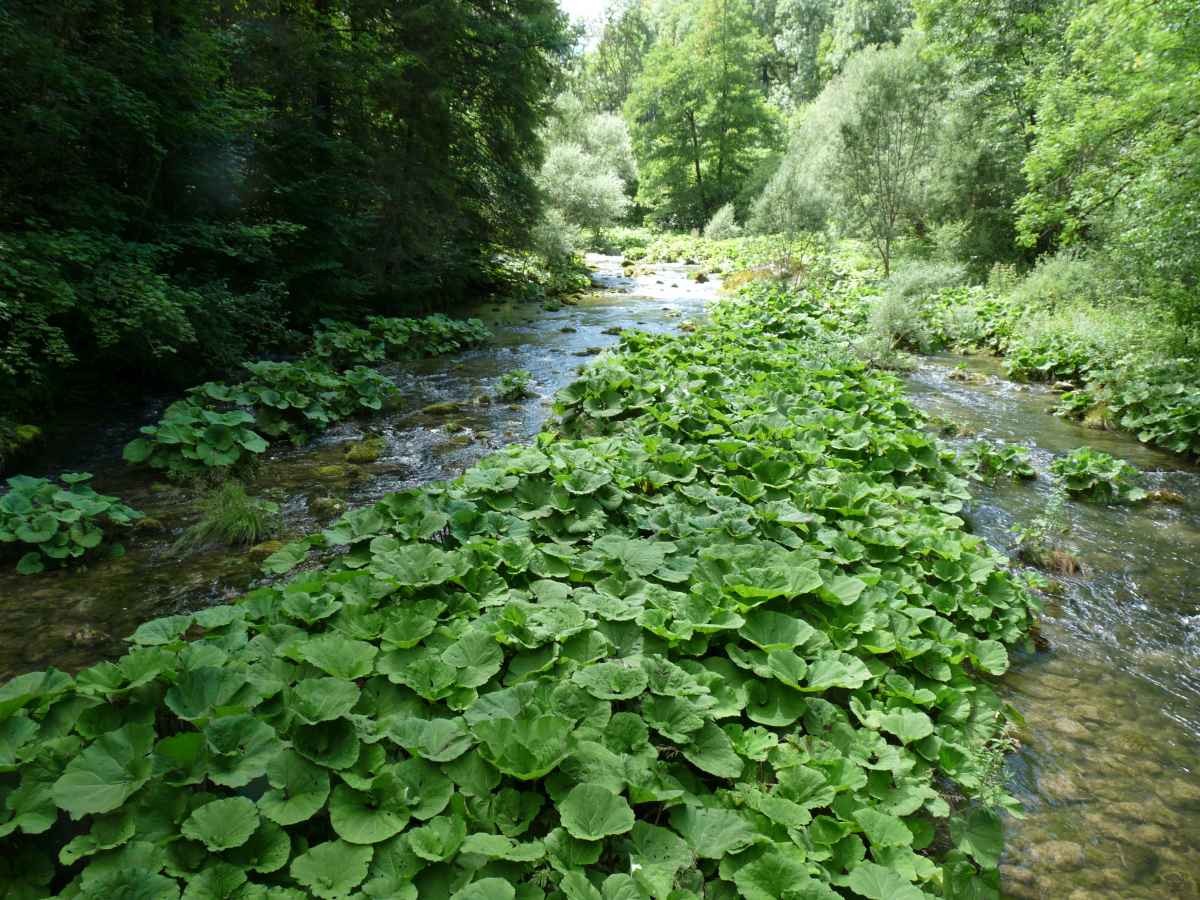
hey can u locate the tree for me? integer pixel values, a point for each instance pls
(1116, 155)
(222, 172)
(698, 115)
(610, 70)
(886, 142)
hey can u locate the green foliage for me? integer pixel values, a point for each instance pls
(62, 522)
(991, 462)
(723, 225)
(699, 120)
(342, 344)
(1117, 152)
(223, 174)
(191, 439)
(718, 627)
(514, 386)
(1092, 475)
(228, 515)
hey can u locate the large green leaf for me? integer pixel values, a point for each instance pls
(591, 812)
(107, 773)
(332, 869)
(222, 824)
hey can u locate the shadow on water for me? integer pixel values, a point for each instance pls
(1108, 769)
(444, 423)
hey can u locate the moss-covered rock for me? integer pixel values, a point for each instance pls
(367, 450)
(325, 508)
(259, 552)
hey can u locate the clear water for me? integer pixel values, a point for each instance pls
(1109, 767)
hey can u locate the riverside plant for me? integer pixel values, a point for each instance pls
(718, 633)
(988, 461)
(1094, 475)
(61, 522)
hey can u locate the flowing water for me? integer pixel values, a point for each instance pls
(442, 425)
(1109, 763)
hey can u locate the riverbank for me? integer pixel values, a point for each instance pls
(721, 623)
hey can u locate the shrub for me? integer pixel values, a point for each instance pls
(990, 462)
(228, 515)
(723, 225)
(190, 439)
(896, 322)
(1093, 475)
(62, 522)
(514, 386)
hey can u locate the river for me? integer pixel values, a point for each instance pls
(1107, 766)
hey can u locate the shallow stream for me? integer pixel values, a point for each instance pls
(1109, 762)
(442, 424)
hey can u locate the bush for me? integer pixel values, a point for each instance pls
(191, 439)
(342, 344)
(228, 515)
(723, 225)
(514, 386)
(1093, 475)
(61, 522)
(896, 321)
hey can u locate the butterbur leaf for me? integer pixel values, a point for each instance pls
(773, 875)
(775, 631)
(215, 882)
(332, 869)
(711, 751)
(300, 789)
(591, 812)
(637, 556)
(107, 773)
(368, 817)
(267, 850)
(875, 882)
(980, 834)
(222, 824)
(907, 724)
(575, 886)
(883, 830)
(486, 889)
(439, 839)
(713, 833)
(621, 679)
(340, 657)
(316, 700)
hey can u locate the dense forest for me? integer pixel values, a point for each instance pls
(712, 449)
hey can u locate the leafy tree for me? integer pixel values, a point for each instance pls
(881, 170)
(1117, 143)
(610, 70)
(698, 116)
(184, 180)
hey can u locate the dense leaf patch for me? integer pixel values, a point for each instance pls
(718, 633)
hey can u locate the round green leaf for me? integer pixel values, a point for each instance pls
(591, 812)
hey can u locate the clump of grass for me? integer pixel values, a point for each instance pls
(231, 516)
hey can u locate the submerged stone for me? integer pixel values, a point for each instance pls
(259, 552)
(442, 409)
(1057, 854)
(367, 450)
(326, 507)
